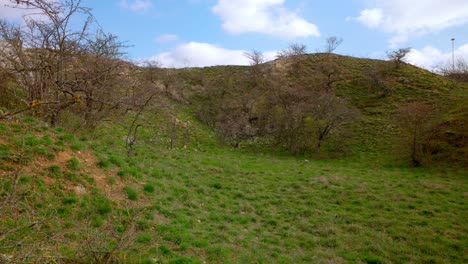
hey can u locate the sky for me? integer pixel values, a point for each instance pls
(186, 33)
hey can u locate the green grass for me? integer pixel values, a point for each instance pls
(149, 188)
(55, 171)
(73, 164)
(132, 194)
(213, 204)
(221, 205)
(264, 209)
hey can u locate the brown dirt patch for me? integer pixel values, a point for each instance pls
(335, 260)
(434, 185)
(323, 180)
(216, 169)
(88, 165)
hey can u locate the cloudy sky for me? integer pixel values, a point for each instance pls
(181, 33)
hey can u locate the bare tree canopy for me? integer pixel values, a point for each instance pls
(457, 71)
(332, 43)
(255, 57)
(60, 57)
(414, 120)
(398, 56)
(295, 49)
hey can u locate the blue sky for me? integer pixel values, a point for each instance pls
(181, 33)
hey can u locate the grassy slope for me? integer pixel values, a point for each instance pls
(375, 134)
(376, 131)
(226, 206)
(205, 202)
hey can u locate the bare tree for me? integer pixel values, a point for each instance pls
(398, 56)
(459, 72)
(256, 60)
(151, 70)
(51, 56)
(330, 71)
(302, 118)
(131, 138)
(331, 115)
(332, 43)
(294, 49)
(255, 57)
(294, 58)
(414, 120)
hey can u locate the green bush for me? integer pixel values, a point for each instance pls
(132, 194)
(29, 120)
(149, 188)
(143, 238)
(77, 146)
(103, 205)
(103, 163)
(42, 150)
(69, 200)
(47, 140)
(165, 250)
(67, 137)
(55, 171)
(116, 161)
(135, 172)
(122, 173)
(73, 164)
(98, 221)
(4, 152)
(25, 179)
(30, 140)
(72, 176)
(142, 225)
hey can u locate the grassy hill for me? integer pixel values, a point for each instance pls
(375, 87)
(73, 195)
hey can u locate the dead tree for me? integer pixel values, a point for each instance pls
(131, 138)
(332, 43)
(398, 56)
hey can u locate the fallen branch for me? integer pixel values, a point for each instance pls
(14, 230)
(31, 106)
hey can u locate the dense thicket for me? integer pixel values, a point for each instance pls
(291, 101)
(61, 60)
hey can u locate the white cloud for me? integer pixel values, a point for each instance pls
(404, 18)
(196, 54)
(371, 17)
(263, 16)
(430, 57)
(12, 12)
(9, 13)
(136, 5)
(167, 38)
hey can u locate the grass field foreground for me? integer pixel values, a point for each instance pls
(219, 205)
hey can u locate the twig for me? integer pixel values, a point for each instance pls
(14, 230)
